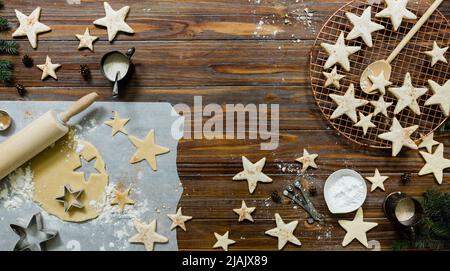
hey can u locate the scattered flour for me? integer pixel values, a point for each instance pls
(17, 189)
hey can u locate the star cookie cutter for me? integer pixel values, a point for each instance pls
(300, 196)
(70, 198)
(35, 229)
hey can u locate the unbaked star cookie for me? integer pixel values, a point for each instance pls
(363, 26)
(380, 106)
(365, 122)
(428, 142)
(379, 83)
(356, 229)
(147, 235)
(437, 54)
(396, 10)
(252, 173)
(377, 181)
(114, 21)
(117, 124)
(333, 78)
(86, 40)
(284, 232)
(307, 160)
(223, 241)
(179, 220)
(347, 104)
(147, 149)
(30, 26)
(407, 96)
(435, 163)
(400, 137)
(245, 213)
(441, 96)
(49, 69)
(339, 53)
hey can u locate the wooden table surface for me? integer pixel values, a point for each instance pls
(229, 52)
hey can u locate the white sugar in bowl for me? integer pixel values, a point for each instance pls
(345, 191)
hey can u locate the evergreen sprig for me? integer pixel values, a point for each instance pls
(5, 71)
(434, 230)
(4, 24)
(9, 47)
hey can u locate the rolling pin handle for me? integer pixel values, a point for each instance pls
(78, 107)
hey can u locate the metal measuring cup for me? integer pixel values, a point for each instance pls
(393, 205)
(117, 66)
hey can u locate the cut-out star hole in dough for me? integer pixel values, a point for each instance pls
(179, 220)
(333, 78)
(356, 229)
(400, 137)
(245, 212)
(396, 10)
(147, 149)
(347, 104)
(437, 54)
(87, 168)
(435, 163)
(284, 232)
(147, 235)
(441, 96)
(223, 241)
(381, 106)
(339, 53)
(428, 142)
(407, 95)
(252, 173)
(363, 26)
(49, 69)
(114, 21)
(117, 124)
(30, 26)
(86, 40)
(377, 181)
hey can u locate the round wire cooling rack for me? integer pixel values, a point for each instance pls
(411, 59)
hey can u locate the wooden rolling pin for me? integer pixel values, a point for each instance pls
(38, 135)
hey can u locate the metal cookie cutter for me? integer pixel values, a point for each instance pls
(300, 196)
(5, 121)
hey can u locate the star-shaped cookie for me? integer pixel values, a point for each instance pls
(179, 219)
(114, 21)
(223, 241)
(365, 122)
(435, 163)
(356, 229)
(441, 96)
(428, 142)
(86, 40)
(49, 69)
(400, 137)
(147, 235)
(147, 149)
(333, 78)
(307, 160)
(117, 124)
(379, 83)
(339, 53)
(245, 212)
(121, 197)
(437, 54)
(363, 26)
(407, 95)
(380, 106)
(377, 180)
(70, 198)
(284, 232)
(347, 104)
(30, 26)
(252, 173)
(396, 10)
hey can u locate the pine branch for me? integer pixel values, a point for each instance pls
(8, 47)
(5, 71)
(4, 24)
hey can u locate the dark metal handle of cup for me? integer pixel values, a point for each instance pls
(130, 52)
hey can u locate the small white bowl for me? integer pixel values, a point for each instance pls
(351, 204)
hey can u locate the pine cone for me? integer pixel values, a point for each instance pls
(405, 178)
(275, 197)
(85, 71)
(21, 89)
(27, 61)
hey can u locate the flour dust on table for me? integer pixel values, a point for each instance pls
(104, 219)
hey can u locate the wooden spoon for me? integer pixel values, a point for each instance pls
(385, 65)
